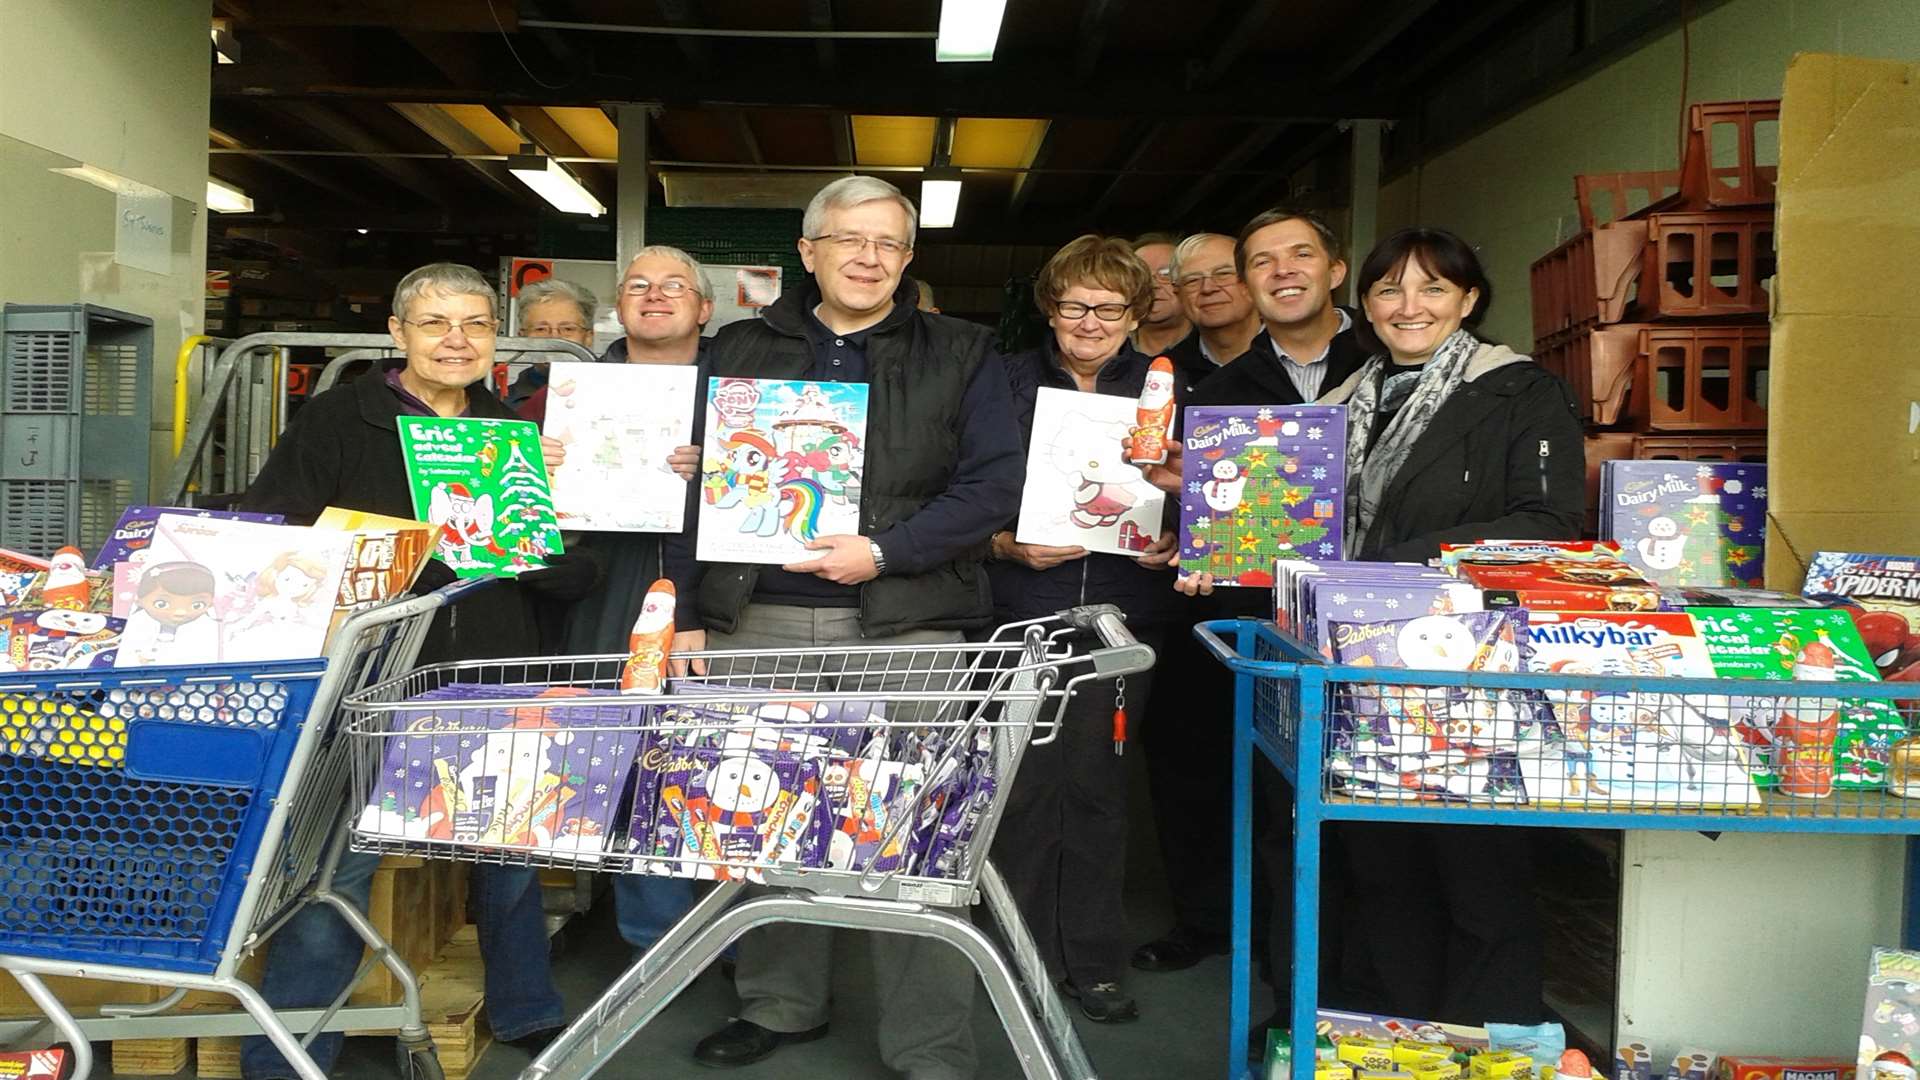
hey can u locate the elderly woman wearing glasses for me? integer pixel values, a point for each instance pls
(1063, 844)
(343, 449)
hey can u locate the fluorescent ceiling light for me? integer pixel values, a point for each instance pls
(98, 177)
(554, 184)
(969, 29)
(939, 203)
(226, 199)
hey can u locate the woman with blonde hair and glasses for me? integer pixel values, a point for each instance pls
(1063, 842)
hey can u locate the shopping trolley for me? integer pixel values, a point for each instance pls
(1596, 751)
(913, 747)
(158, 825)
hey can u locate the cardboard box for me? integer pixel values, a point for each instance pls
(1749, 1067)
(1844, 410)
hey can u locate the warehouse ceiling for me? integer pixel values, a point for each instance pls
(1120, 115)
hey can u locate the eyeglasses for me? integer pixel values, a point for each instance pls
(563, 329)
(1220, 277)
(435, 326)
(1074, 311)
(672, 288)
(854, 244)
(1164, 275)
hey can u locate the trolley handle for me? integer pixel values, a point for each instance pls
(1120, 652)
(1209, 635)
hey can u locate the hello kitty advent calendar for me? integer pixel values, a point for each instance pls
(1261, 483)
(1080, 490)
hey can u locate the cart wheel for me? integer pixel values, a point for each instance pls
(420, 1063)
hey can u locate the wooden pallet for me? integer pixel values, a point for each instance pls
(452, 997)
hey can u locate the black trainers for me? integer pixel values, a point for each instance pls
(1103, 1002)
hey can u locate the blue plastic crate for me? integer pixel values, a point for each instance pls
(133, 804)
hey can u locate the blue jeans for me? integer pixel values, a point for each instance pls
(316, 954)
(646, 906)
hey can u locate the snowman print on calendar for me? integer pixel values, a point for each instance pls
(1663, 547)
(742, 787)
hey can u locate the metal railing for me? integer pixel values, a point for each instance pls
(244, 394)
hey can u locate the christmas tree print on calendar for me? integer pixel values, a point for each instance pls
(1259, 484)
(482, 485)
(1686, 523)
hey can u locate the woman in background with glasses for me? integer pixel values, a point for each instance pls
(1063, 842)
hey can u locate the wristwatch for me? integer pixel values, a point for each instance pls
(879, 556)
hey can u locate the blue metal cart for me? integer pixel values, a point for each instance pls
(1305, 714)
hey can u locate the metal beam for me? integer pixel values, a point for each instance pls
(1023, 183)
(820, 17)
(233, 142)
(1094, 22)
(1260, 195)
(1364, 195)
(546, 133)
(679, 15)
(448, 132)
(1144, 138)
(1384, 32)
(1256, 16)
(842, 126)
(749, 142)
(915, 89)
(630, 209)
(1250, 146)
(351, 135)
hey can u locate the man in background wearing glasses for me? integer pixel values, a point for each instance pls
(1165, 330)
(943, 470)
(1216, 301)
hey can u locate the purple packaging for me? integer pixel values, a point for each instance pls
(1432, 742)
(506, 776)
(947, 850)
(748, 801)
(1349, 601)
(1687, 522)
(863, 796)
(1305, 614)
(133, 533)
(55, 639)
(1261, 483)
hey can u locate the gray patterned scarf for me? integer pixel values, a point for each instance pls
(1371, 468)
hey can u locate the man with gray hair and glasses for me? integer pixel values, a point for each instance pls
(944, 467)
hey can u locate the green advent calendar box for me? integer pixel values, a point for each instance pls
(1809, 645)
(482, 485)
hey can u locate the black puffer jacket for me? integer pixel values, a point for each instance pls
(1021, 592)
(343, 449)
(1503, 459)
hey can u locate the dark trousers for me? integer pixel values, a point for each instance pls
(1062, 844)
(1273, 804)
(1445, 925)
(1189, 745)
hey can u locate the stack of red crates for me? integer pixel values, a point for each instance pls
(1657, 316)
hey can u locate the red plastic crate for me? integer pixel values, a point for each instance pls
(1589, 279)
(1605, 197)
(1746, 446)
(1597, 363)
(1726, 141)
(1706, 264)
(1702, 378)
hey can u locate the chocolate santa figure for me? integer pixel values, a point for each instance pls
(1153, 416)
(652, 640)
(1804, 732)
(66, 585)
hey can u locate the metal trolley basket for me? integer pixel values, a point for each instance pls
(910, 749)
(1589, 751)
(158, 825)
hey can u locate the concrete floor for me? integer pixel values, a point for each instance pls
(1181, 1033)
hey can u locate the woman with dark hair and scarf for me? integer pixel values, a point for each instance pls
(1451, 439)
